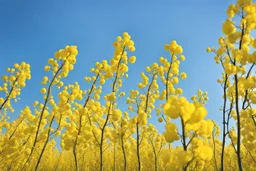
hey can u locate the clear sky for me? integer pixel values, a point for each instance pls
(32, 30)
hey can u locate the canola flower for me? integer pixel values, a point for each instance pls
(97, 134)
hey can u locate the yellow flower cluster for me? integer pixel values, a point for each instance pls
(180, 107)
(236, 54)
(202, 150)
(173, 47)
(171, 133)
(12, 84)
(168, 70)
(64, 62)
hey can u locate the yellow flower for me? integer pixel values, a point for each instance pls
(47, 68)
(160, 119)
(43, 90)
(1, 100)
(132, 59)
(182, 58)
(183, 75)
(175, 80)
(228, 27)
(208, 49)
(132, 48)
(171, 133)
(253, 43)
(175, 70)
(5, 78)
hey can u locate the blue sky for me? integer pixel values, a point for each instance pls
(32, 30)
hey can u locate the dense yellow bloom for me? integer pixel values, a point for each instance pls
(179, 107)
(98, 133)
(228, 27)
(173, 47)
(171, 132)
(233, 37)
